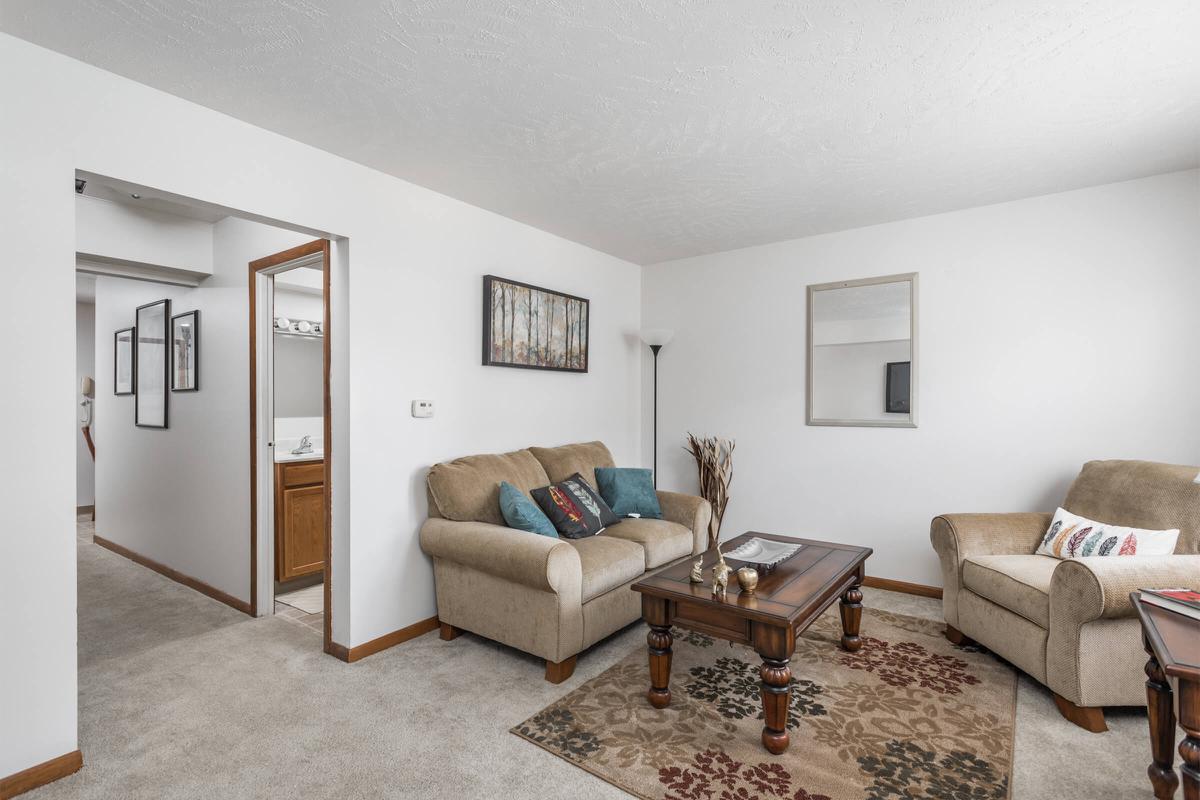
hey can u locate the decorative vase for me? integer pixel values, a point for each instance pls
(747, 579)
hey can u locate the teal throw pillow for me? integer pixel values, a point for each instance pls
(629, 491)
(521, 513)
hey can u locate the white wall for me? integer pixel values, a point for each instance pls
(85, 365)
(1052, 331)
(142, 236)
(181, 496)
(415, 260)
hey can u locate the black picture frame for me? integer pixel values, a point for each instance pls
(898, 393)
(194, 327)
(501, 349)
(131, 343)
(151, 371)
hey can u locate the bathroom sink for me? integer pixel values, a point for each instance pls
(284, 456)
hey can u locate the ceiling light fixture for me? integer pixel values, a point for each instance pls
(135, 195)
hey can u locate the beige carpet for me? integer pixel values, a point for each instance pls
(907, 716)
(182, 697)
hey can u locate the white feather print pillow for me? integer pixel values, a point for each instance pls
(1072, 536)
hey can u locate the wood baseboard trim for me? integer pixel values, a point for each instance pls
(81, 510)
(40, 774)
(352, 654)
(175, 575)
(919, 589)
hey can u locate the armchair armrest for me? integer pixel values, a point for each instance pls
(1089, 609)
(958, 536)
(693, 513)
(539, 562)
(1086, 589)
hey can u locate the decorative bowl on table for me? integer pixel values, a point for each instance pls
(763, 554)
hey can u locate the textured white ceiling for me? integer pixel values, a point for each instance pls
(655, 129)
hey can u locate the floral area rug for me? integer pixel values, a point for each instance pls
(909, 716)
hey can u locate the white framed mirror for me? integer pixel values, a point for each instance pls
(862, 352)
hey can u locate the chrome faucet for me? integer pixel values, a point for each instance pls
(305, 446)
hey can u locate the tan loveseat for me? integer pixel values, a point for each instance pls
(1069, 624)
(549, 597)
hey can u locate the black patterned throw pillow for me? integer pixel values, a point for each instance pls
(575, 508)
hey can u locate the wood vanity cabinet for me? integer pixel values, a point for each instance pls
(299, 519)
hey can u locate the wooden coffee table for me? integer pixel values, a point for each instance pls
(784, 604)
(1173, 643)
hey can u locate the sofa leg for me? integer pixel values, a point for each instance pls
(957, 637)
(1091, 719)
(449, 632)
(557, 673)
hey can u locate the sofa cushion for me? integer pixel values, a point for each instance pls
(1140, 494)
(522, 513)
(561, 463)
(574, 507)
(661, 540)
(606, 563)
(1019, 583)
(468, 489)
(629, 490)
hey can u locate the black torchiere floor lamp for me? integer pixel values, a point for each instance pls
(656, 338)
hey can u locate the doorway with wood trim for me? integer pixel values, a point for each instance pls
(291, 441)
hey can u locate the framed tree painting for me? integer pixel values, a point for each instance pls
(152, 360)
(530, 327)
(123, 365)
(185, 352)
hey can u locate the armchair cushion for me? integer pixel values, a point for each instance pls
(606, 562)
(662, 541)
(1140, 494)
(1019, 583)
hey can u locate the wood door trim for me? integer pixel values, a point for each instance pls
(41, 774)
(352, 654)
(904, 587)
(322, 247)
(175, 575)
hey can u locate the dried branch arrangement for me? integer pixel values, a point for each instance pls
(714, 460)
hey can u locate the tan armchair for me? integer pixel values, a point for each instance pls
(549, 597)
(1069, 624)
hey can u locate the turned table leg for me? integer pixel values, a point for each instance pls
(776, 697)
(1189, 749)
(1160, 707)
(658, 641)
(851, 609)
(775, 645)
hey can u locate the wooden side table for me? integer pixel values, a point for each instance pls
(1173, 642)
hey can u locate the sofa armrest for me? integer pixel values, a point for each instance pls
(539, 562)
(693, 513)
(1086, 589)
(958, 536)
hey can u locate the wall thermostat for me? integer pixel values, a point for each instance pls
(422, 408)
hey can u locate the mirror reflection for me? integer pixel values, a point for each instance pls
(862, 352)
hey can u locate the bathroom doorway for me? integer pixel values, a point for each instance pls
(290, 431)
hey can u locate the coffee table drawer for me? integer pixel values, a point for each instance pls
(715, 621)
